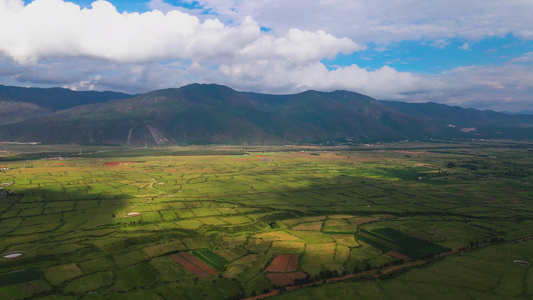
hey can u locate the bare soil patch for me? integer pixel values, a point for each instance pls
(293, 263)
(284, 263)
(190, 266)
(283, 279)
(199, 263)
(357, 222)
(279, 264)
(398, 255)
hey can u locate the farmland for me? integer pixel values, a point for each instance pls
(119, 220)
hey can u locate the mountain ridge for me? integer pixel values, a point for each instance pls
(211, 113)
(22, 103)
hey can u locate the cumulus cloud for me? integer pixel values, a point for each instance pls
(298, 46)
(54, 28)
(483, 85)
(502, 88)
(281, 77)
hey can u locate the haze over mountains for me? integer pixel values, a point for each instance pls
(209, 113)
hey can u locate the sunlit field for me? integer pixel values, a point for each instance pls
(102, 222)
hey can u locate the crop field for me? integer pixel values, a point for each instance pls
(282, 279)
(229, 222)
(194, 265)
(389, 239)
(483, 273)
(284, 263)
(212, 259)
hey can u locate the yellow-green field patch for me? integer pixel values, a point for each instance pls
(277, 236)
(279, 247)
(89, 283)
(59, 274)
(311, 226)
(236, 220)
(164, 248)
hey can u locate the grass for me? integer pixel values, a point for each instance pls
(246, 268)
(236, 220)
(10, 292)
(309, 226)
(89, 283)
(280, 247)
(197, 242)
(390, 233)
(31, 288)
(232, 253)
(212, 259)
(388, 239)
(469, 276)
(19, 277)
(169, 270)
(95, 265)
(164, 248)
(338, 226)
(69, 219)
(59, 274)
(376, 243)
(130, 258)
(134, 277)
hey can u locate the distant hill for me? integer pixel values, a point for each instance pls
(209, 113)
(523, 112)
(481, 124)
(19, 103)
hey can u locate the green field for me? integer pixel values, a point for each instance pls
(212, 259)
(484, 273)
(388, 239)
(17, 277)
(92, 230)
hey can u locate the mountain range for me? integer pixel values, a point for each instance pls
(210, 113)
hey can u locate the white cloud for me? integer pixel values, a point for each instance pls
(507, 87)
(298, 46)
(385, 21)
(465, 46)
(54, 29)
(281, 77)
(527, 57)
(440, 43)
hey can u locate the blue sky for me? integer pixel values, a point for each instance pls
(469, 53)
(422, 57)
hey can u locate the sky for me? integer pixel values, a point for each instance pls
(474, 53)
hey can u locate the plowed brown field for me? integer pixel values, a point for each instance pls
(282, 279)
(193, 264)
(284, 263)
(398, 255)
(199, 263)
(190, 266)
